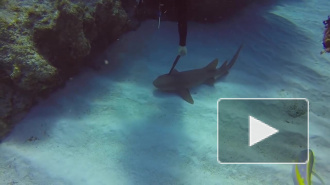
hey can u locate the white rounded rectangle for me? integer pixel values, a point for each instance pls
(243, 124)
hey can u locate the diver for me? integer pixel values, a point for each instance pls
(144, 10)
(182, 25)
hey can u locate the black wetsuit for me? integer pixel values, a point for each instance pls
(182, 21)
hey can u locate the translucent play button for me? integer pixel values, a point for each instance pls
(262, 130)
(259, 131)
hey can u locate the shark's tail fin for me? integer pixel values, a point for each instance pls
(233, 60)
(222, 70)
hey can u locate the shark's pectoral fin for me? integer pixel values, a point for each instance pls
(210, 81)
(185, 94)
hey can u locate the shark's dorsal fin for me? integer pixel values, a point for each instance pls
(212, 65)
(185, 94)
(210, 81)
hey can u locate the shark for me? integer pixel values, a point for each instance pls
(181, 82)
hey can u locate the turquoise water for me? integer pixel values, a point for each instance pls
(113, 127)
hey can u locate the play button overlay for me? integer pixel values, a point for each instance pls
(262, 130)
(259, 131)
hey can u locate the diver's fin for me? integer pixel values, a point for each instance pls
(318, 177)
(185, 94)
(212, 65)
(210, 81)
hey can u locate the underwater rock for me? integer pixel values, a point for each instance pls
(42, 44)
(75, 29)
(24, 73)
(14, 104)
(201, 11)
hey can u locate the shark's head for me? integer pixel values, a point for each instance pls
(164, 82)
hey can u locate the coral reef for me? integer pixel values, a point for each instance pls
(42, 43)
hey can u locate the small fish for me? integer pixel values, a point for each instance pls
(302, 173)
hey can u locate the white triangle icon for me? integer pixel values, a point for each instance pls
(259, 131)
